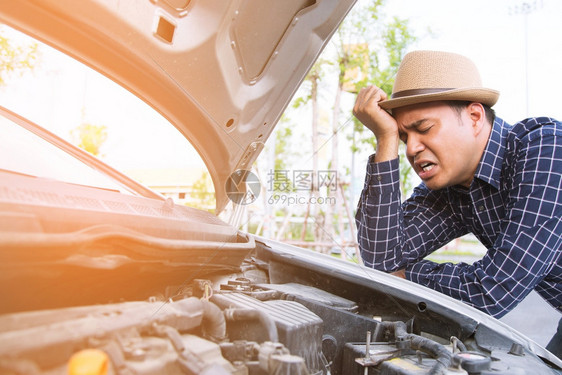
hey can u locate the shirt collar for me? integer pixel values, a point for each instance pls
(489, 169)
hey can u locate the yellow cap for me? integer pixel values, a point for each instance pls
(88, 362)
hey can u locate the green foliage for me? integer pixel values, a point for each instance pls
(279, 179)
(282, 142)
(202, 193)
(90, 137)
(314, 76)
(15, 59)
(366, 50)
(387, 44)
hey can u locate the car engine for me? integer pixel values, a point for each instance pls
(249, 323)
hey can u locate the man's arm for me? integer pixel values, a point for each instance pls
(390, 238)
(393, 235)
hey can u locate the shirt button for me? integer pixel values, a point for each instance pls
(379, 178)
(480, 208)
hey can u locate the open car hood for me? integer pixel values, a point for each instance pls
(221, 71)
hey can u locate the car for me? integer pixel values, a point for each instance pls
(102, 275)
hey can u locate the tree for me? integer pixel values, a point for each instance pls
(312, 80)
(14, 58)
(282, 140)
(365, 50)
(202, 193)
(90, 137)
(384, 55)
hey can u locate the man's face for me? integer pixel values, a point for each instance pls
(440, 143)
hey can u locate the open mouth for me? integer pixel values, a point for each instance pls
(426, 167)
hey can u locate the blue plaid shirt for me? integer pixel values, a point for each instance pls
(513, 206)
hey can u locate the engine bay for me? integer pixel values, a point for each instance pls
(278, 315)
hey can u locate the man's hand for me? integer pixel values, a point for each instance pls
(399, 273)
(379, 121)
(368, 111)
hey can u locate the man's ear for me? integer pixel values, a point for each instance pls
(477, 116)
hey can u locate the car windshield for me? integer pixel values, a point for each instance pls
(88, 110)
(23, 152)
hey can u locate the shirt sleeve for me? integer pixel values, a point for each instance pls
(529, 243)
(394, 235)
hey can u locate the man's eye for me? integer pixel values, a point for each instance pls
(424, 130)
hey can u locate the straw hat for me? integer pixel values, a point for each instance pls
(426, 76)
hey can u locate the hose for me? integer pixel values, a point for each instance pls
(437, 351)
(214, 323)
(240, 313)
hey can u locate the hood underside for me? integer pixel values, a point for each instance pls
(221, 71)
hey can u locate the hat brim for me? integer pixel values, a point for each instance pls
(485, 96)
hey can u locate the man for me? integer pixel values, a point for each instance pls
(479, 175)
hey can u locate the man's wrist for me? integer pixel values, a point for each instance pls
(387, 148)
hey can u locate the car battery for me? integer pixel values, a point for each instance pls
(386, 359)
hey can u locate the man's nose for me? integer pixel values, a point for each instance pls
(414, 146)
